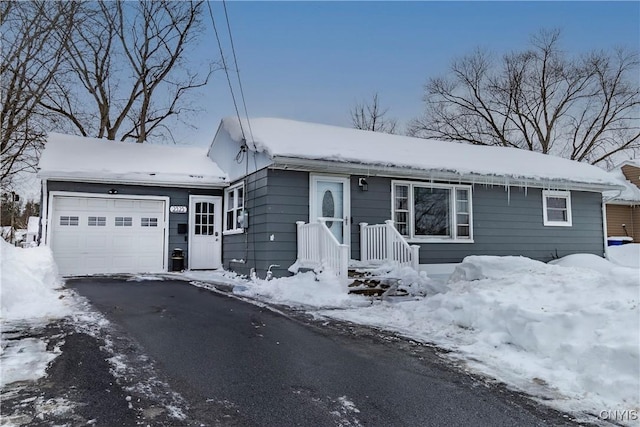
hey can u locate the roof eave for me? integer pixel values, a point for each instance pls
(116, 180)
(320, 165)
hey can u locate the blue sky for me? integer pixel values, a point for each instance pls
(314, 60)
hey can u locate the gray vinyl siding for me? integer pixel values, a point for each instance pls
(177, 197)
(275, 199)
(504, 223)
(372, 206)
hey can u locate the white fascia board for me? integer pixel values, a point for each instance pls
(159, 183)
(314, 165)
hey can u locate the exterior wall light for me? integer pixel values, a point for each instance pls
(363, 184)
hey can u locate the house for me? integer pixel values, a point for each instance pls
(380, 197)
(623, 206)
(280, 195)
(116, 207)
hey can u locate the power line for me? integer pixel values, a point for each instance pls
(235, 60)
(226, 70)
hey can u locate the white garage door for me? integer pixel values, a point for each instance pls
(91, 235)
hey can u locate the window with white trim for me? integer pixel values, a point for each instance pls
(432, 211)
(123, 221)
(556, 208)
(234, 208)
(97, 221)
(69, 220)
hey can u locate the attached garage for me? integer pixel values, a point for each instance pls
(112, 207)
(116, 234)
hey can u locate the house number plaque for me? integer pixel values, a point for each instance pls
(178, 209)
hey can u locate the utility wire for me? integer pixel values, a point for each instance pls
(226, 70)
(235, 60)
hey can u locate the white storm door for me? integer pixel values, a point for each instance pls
(205, 237)
(329, 200)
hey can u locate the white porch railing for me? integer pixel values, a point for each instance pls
(382, 242)
(319, 248)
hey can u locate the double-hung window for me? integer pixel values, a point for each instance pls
(556, 208)
(234, 208)
(436, 212)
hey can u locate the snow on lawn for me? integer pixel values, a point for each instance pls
(30, 295)
(626, 255)
(567, 332)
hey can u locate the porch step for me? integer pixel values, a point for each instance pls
(365, 283)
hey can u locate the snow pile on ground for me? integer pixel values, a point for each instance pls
(415, 283)
(626, 255)
(30, 284)
(30, 297)
(565, 332)
(302, 290)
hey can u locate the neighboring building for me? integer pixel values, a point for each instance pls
(447, 200)
(116, 207)
(301, 195)
(623, 207)
(33, 230)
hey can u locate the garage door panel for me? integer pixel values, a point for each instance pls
(97, 203)
(103, 246)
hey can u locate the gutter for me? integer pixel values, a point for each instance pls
(319, 165)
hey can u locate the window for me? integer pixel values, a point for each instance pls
(437, 211)
(69, 220)
(97, 221)
(204, 223)
(556, 208)
(124, 221)
(234, 208)
(148, 222)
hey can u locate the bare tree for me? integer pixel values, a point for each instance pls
(584, 108)
(370, 116)
(33, 37)
(125, 73)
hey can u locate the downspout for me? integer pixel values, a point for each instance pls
(44, 214)
(604, 222)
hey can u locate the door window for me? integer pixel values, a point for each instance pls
(204, 219)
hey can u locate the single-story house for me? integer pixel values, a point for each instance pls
(272, 195)
(381, 196)
(117, 207)
(623, 206)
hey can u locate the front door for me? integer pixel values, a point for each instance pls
(330, 202)
(205, 235)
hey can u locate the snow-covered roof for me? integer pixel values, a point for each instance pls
(283, 139)
(630, 194)
(100, 160)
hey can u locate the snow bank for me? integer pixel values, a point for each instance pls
(626, 255)
(29, 281)
(302, 290)
(565, 332)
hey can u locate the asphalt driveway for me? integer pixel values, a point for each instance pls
(266, 368)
